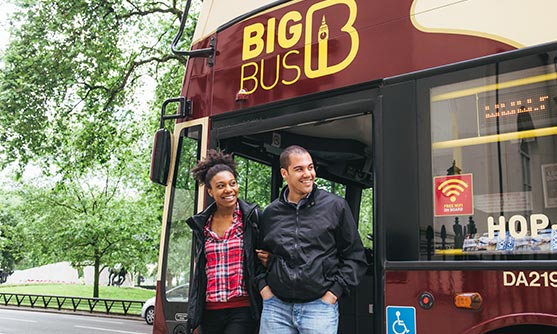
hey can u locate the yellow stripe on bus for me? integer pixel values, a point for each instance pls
(492, 87)
(457, 251)
(550, 131)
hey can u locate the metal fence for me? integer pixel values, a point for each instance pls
(83, 304)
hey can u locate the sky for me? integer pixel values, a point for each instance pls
(4, 36)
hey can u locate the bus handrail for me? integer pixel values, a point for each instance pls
(206, 52)
(126, 307)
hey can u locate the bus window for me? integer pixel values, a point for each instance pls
(494, 165)
(331, 186)
(365, 223)
(254, 179)
(177, 261)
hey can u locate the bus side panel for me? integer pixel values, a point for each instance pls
(508, 298)
(197, 84)
(159, 323)
(397, 173)
(323, 45)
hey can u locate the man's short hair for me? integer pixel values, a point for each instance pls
(285, 155)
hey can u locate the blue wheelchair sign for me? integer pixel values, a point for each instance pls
(401, 320)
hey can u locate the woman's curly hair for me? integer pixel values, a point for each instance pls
(215, 162)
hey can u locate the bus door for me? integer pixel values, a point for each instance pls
(188, 145)
(341, 147)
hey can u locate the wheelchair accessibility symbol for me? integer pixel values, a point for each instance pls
(401, 320)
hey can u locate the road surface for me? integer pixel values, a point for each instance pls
(15, 321)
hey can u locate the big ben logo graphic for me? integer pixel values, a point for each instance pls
(322, 35)
(323, 40)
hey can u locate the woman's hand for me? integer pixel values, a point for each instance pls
(263, 256)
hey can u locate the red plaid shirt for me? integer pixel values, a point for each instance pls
(225, 258)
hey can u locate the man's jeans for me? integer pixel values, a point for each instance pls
(315, 317)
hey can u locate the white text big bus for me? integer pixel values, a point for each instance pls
(435, 119)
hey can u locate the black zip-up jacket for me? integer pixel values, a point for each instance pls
(197, 294)
(315, 247)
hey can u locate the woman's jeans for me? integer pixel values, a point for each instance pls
(315, 317)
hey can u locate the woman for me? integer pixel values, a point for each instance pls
(223, 297)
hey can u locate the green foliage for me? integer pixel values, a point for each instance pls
(10, 241)
(365, 224)
(88, 221)
(80, 90)
(254, 181)
(179, 234)
(67, 90)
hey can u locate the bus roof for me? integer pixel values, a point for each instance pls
(215, 13)
(454, 16)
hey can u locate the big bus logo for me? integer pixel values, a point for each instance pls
(281, 34)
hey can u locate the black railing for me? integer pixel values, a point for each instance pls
(84, 304)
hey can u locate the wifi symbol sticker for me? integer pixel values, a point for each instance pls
(452, 188)
(453, 195)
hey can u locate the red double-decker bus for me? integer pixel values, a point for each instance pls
(435, 119)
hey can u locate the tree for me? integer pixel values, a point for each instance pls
(71, 74)
(11, 241)
(254, 179)
(70, 103)
(91, 222)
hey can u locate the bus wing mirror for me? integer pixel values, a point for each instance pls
(160, 158)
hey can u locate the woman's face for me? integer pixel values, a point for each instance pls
(224, 189)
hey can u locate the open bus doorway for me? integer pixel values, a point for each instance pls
(342, 152)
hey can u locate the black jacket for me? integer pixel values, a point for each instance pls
(250, 217)
(315, 247)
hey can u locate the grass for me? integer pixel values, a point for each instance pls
(77, 291)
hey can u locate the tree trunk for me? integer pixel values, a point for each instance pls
(96, 279)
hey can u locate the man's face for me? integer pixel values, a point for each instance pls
(299, 176)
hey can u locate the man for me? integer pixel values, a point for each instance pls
(316, 253)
